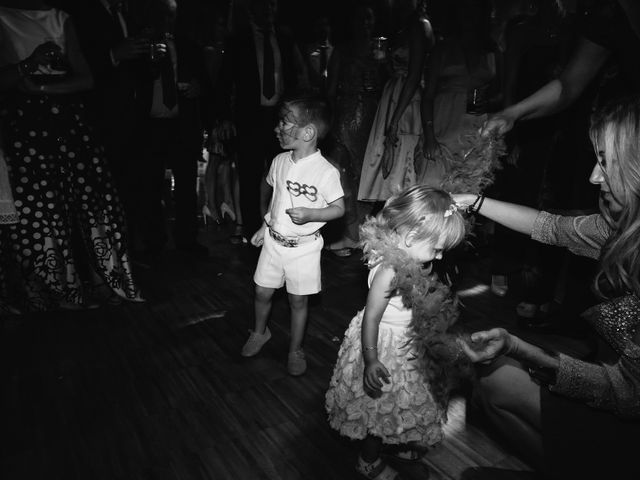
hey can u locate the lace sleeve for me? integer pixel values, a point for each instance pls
(609, 387)
(583, 235)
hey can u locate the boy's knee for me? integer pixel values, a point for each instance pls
(263, 294)
(298, 302)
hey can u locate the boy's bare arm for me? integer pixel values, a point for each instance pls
(302, 215)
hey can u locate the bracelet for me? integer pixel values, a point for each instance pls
(369, 348)
(477, 204)
(543, 375)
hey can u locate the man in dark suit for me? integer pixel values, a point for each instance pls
(117, 52)
(172, 129)
(265, 65)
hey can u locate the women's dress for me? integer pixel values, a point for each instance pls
(376, 183)
(70, 216)
(406, 410)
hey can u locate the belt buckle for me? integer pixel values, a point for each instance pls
(282, 240)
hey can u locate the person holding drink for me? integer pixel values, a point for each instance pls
(69, 248)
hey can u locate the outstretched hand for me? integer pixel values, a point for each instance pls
(375, 373)
(487, 345)
(498, 124)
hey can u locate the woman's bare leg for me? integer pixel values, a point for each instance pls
(511, 400)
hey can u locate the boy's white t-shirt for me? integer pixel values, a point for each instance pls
(310, 182)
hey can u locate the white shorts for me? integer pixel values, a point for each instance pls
(296, 267)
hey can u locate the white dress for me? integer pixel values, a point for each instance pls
(406, 411)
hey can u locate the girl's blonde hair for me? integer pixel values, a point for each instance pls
(616, 127)
(427, 213)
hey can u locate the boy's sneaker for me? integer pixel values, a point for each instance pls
(255, 342)
(296, 363)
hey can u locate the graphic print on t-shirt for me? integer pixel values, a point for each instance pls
(309, 191)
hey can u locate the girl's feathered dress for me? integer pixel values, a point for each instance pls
(406, 411)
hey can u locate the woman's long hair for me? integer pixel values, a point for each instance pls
(616, 127)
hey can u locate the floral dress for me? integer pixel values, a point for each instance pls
(406, 411)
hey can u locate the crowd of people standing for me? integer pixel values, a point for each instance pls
(101, 97)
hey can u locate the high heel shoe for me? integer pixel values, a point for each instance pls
(227, 210)
(207, 212)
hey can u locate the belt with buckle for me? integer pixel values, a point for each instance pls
(291, 242)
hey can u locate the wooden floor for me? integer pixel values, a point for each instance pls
(159, 390)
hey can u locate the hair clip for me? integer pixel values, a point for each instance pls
(450, 210)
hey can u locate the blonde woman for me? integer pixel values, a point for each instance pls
(575, 418)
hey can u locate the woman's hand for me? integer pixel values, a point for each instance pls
(487, 345)
(375, 373)
(43, 55)
(498, 124)
(391, 135)
(464, 200)
(432, 150)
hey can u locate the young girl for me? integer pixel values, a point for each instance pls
(384, 390)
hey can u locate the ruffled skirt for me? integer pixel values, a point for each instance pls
(406, 411)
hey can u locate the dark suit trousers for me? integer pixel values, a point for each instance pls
(257, 145)
(168, 144)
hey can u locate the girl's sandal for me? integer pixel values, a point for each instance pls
(409, 456)
(377, 470)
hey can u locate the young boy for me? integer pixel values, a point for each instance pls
(306, 194)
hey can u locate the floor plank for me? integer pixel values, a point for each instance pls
(159, 391)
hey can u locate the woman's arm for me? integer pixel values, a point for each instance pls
(612, 387)
(488, 345)
(583, 235)
(434, 65)
(417, 54)
(516, 217)
(585, 63)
